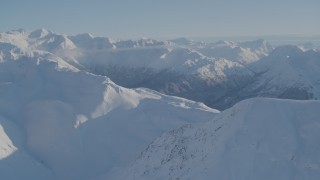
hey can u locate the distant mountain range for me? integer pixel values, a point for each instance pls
(218, 74)
(57, 122)
(63, 115)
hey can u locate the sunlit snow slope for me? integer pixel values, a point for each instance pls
(256, 139)
(62, 119)
(61, 123)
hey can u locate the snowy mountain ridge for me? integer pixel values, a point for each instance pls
(232, 70)
(76, 125)
(256, 139)
(62, 118)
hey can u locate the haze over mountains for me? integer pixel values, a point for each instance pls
(218, 74)
(70, 124)
(64, 116)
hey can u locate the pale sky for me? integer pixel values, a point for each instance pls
(164, 18)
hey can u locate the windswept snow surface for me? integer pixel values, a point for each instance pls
(61, 123)
(256, 139)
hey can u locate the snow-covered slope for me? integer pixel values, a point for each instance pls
(144, 53)
(87, 41)
(178, 60)
(243, 52)
(63, 123)
(219, 74)
(256, 139)
(177, 71)
(184, 42)
(41, 39)
(288, 72)
(61, 118)
(15, 162)
(309, 46)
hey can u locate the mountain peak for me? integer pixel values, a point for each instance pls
(221, 43)
(182, 41)
(286, 50)
(255, 44)
(85, 36)
(39, 33)
(17, 31)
